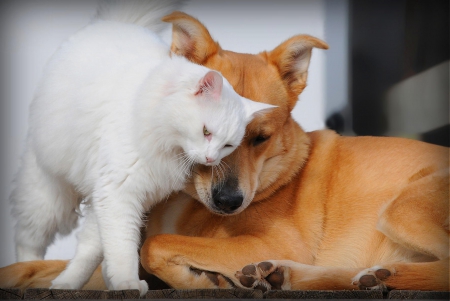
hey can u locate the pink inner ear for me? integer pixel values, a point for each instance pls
(211, 85)
(208, 137)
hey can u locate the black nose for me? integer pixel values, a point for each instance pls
(227, 199)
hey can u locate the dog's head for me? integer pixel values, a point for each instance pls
(274, 147)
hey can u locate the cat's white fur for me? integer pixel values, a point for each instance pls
(118, 122)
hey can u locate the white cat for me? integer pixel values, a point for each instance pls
(119, 122)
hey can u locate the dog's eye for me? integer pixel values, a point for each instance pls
(260, 139)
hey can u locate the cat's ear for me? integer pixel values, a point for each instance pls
(253, 108)
(211, 85)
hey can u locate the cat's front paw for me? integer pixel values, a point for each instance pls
(62, 286)
(140, 285)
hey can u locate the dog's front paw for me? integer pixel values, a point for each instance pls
(140, 285)
(372, 278)
(265, 276)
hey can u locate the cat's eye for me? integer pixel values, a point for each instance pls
(205, 131)
(228, 145)
(260, 139)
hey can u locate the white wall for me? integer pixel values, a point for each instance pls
(337, 58)
(32, 30)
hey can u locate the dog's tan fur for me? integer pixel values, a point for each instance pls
(324, 209)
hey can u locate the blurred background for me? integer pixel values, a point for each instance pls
(386, 72)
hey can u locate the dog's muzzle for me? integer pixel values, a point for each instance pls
(227, 197)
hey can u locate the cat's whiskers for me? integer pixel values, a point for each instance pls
(225, 163)
(184, 162)
(220, 175)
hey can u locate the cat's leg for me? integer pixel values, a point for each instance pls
(105, 275)
(119, 212)
(42, 206)
(87, 257)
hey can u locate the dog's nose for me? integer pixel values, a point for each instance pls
(227, 200)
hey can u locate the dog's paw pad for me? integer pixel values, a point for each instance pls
(266, 267)
(372, 279)
(382, 274)
(263, 276)
(367, 281)
(248, 276)
(276, 278)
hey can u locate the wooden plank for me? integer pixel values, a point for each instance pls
(41, 293)
(37, 293)
(424, 295)
(10, 293)
(205, 294)
(44, 293)
(125, 294)
(344, 294)
(76, 294)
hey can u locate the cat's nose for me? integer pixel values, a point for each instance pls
(210, 160)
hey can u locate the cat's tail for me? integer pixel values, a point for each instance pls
(144, 13)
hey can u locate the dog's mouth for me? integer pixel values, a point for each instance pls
(226, 200)
(224, 197)
(219, 190)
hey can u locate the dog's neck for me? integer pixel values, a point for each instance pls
(298, 147)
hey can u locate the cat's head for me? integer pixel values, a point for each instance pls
(215, 121)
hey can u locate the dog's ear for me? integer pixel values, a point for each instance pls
(190, 38)
(292, 60)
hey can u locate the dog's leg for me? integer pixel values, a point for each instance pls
(199, 262)
(407, 276)
(40, 274)
(419, 220)
(290, 275)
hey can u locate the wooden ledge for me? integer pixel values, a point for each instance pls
(39, 293)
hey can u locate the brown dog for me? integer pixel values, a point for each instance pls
(323, 211)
